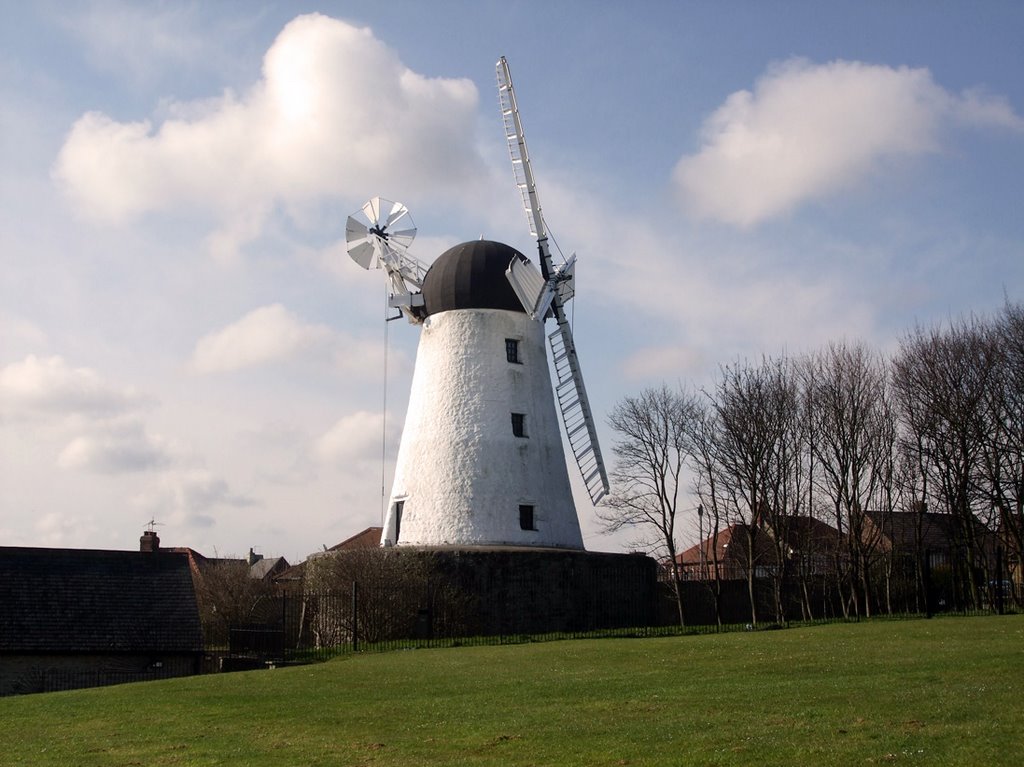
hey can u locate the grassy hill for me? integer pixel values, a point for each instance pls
(948, 691)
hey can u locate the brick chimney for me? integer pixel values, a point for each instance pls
(149, 541)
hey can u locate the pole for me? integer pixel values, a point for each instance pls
(355, 616)
(927, 573)
(999, 580)
(384, 421)
(700, 542)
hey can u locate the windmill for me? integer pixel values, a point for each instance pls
(558, 289)
(481, 461)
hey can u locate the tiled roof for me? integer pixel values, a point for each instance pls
(903, 529)
(730, 548)
(81, 600)
(268, 567)
(368, 539)
(802, 532)
(293, 574)
(201, 562)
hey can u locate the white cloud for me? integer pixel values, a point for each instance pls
(700, 298)
(279, 454)
(189, 498)
(273, 334)
(335, 113)
(977, 107)
(809, 130)
(682, 362)
(264, 335)
(58, 529)
(49, 386)
(117, 448)
(20, 333)
(353, 438)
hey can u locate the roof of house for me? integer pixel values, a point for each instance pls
(290, 575)
(267, 567)
(260, 567)
(802, 532)
(805, 531)
(718, 549)
(200, 562)
(932, 530)
(82, 600)
(367, 539)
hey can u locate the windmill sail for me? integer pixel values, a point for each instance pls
(576, 415)
(534, 292)
(572, 394)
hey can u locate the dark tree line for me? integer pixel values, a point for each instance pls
(227, 596)
(875, 447)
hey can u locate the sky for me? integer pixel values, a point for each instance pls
(184, 340)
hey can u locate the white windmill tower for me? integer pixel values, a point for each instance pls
(481, 460)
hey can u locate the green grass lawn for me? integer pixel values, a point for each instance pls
(948, 691)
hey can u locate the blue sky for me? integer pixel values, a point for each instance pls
(183, 338)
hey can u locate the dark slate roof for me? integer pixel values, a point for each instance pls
(471, 276)
(937, 531)
(81, 600)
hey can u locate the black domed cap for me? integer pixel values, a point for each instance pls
(471, 276)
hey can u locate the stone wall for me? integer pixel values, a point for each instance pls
(431, 592)
(31, 673)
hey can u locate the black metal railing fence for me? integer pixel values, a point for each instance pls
(310, 625)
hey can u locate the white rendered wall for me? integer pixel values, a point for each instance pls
(461, 474)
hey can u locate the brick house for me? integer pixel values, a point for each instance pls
(811, 545)
(910, 535)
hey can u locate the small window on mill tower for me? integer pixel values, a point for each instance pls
(512, 351)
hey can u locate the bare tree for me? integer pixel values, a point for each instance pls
(1002, 469)
(854, 443)
(787, 480)
(911, 491)
(704, 440)
(848, 437)
(943, 378)
(651, 450)
(757, 465)
(227, 596)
